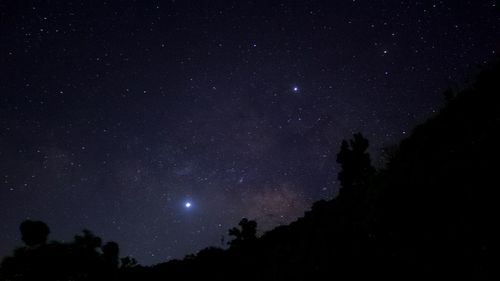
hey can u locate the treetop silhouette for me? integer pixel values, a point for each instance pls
(34, 232)
(355, 163)
(245, 234)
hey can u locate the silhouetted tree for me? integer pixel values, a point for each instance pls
(246, 233)
(87, 240)
(355, 162)
(110, 252)
(34, 232)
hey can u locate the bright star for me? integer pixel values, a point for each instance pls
(188, 204)
(295, 89)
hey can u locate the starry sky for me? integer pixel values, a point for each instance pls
(160, 124)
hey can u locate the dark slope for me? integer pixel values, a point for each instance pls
(431, 213)
(438, 203)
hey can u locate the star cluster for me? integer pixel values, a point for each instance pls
(159, 124)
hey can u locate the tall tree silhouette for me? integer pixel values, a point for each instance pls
(355, 163)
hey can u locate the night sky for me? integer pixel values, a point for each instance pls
(160, 124)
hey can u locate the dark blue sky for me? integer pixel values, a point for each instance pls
(114, 114)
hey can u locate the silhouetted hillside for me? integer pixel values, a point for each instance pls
(430, 213)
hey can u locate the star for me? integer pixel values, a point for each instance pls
(188, 205)
(295, 89)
